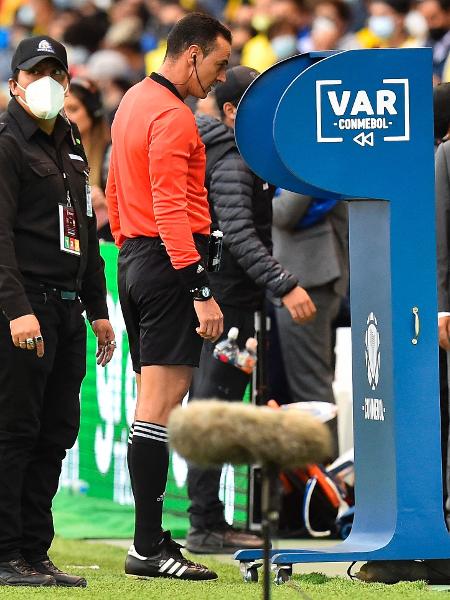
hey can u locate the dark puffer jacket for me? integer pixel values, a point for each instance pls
(241, 206)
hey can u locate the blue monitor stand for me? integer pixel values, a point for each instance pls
(359, 125)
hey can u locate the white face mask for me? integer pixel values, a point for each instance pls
(284, 46)
(416, 24)
(323, 25)
(44, 97)
(383, 26)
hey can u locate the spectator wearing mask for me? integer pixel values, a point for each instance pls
(259, 53)
(386, 25)
(83, 106)
(283, 39)
(437, 16)
(330, 26)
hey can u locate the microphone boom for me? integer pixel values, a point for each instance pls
(215, 432)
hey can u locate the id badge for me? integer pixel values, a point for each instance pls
(69, 239)
(88, 200)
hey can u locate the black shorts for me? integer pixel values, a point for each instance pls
(158, 311)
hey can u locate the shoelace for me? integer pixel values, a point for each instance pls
(50, 566)
(176, 547)
(193, 564)
(24, 567)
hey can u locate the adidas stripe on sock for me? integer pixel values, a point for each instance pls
(150, 431)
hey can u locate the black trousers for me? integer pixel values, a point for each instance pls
(39, 420)
(216, 380)
(444, 405)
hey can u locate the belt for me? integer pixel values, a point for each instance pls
(156, 241)
(47, 290)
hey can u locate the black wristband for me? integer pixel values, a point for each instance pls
(194, 276)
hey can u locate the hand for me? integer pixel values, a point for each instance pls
(26, 334)
(210, 319)
(106, 341)
(444, 332)
(299, 304)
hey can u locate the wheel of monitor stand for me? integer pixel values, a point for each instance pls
(282, 576)
(251, 575)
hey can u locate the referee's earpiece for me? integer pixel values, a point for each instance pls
(194, 60)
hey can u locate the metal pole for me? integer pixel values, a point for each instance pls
(270, 514)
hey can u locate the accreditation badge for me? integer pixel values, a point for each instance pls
(88, 191)
(69, 239)
(88, 200)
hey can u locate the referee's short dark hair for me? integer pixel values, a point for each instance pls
(195, 28)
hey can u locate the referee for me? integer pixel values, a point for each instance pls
(159, 216)
(50, 271)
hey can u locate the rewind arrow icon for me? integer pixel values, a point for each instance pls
(362, 139)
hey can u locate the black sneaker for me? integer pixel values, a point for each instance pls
(63, 579)
(221, 540)
(168, 562)
(19, 572)
(433, 571)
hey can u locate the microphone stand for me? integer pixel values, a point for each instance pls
(262, 328)
(270, 507)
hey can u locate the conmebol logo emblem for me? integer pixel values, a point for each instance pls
(372, 351)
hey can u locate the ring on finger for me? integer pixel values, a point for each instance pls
(22, 344)
(38, 339)
(30, 343)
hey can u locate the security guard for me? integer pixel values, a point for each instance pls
(50, 271)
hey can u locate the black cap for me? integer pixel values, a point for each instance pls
(232, 90)
(32, 50)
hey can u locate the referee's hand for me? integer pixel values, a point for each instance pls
(210, 319)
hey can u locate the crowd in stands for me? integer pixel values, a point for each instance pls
(116, 42)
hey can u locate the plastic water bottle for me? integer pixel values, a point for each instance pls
(246, 359)
(227, 350)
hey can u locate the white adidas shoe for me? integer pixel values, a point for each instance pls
(167, 562)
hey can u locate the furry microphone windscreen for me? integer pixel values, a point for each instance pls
(215, 432)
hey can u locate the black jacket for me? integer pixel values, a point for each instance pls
(241, 206)
(31, 189)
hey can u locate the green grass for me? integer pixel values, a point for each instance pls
(109, 582)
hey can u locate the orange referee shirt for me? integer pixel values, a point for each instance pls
(156, 177)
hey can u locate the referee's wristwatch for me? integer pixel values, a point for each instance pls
(202, 293)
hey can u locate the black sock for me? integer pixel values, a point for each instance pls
(149, 460)
(130, 446)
